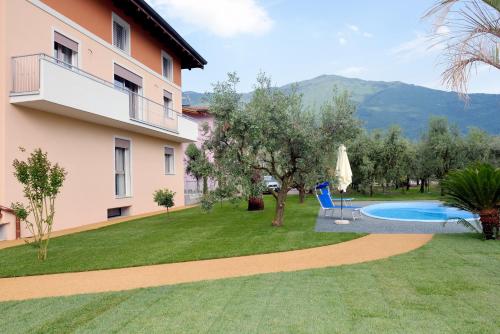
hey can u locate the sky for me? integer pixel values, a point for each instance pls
(293, 40)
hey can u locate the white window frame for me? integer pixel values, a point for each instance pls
(76, 58)
(128, 162)
(169, 57)
(123, 23)
(172, 172)
(169, 112)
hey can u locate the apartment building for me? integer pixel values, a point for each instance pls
(192, 187)
(97, 85)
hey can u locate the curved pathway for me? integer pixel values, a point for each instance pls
(368, 248)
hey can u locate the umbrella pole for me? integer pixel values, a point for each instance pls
(341, 204)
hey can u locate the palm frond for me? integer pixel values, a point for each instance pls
(474, 188)
(474, 226)
(473, 38)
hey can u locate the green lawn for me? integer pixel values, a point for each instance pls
(397, 195)
(450, 285)
(185, 235)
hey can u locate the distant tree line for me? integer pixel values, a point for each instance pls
(388, 159)
(274, 134)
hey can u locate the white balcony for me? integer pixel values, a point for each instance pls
(42, 83)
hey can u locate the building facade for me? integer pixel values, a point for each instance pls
(97, 85)
(192, 187)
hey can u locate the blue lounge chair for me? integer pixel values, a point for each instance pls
(325, 200)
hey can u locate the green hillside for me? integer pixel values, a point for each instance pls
(382, 104)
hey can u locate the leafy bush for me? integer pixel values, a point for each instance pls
(208, 201)
(476, 189)
(164, 197)
(42, 182)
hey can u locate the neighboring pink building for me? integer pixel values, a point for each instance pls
(201, 115)
(97, 85)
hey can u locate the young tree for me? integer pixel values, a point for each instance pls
(394, 156)
(41, 182)
(164, 197)
(470, 33)
(198, 165)
(362, 164)
(477, 146)
(271, 134)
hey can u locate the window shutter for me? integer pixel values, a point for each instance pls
(119, 36)
(122, 143)
(167, 95)
(65, 41)
(167, 67)
(127, 75)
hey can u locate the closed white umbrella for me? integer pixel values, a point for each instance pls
(343, 173)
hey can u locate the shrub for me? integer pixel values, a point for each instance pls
(164, 197)
(42, 182)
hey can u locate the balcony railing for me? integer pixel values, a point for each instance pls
(26, 81)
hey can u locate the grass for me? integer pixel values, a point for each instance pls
(450, 285)
(183, 236)
(398, 195)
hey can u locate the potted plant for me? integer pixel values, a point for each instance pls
(476, 189)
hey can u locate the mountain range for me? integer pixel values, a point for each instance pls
(382, 104)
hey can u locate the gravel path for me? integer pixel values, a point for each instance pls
(372, 225)
(368, 248)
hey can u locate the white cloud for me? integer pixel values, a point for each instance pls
(342, 41)
(443, 30)
(352, 71)
(367, 35)
(418, 47)
(225, 18)
(353, 27)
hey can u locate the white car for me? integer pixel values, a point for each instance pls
(271, 183)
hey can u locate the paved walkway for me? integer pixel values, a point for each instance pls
(372, 225)
(368, 248)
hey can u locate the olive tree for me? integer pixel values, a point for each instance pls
(270, 134)
(198, 165)
(41, 181)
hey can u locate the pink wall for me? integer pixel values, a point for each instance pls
(85, 150)
(200, 118)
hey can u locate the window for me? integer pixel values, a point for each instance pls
(132, 83)
(169, 160)
(167, 65)
(122, 167)
(118, 212)
(65, 50)
(121, 34)
(168, 104)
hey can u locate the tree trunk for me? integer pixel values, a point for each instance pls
(422, 186)
(205, 185)
(371, 190)
(280, 204)
(255, 203)
(490, 222)
(302, 194)
(407, 183)
(280, 208)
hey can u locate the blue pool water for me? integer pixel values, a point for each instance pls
(415, 211)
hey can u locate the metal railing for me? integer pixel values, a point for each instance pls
(26, 80)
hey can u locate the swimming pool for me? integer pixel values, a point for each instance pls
(415, 211)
